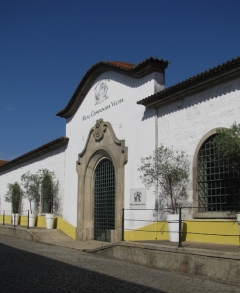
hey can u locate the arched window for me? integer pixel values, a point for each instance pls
(47, 194)
(217, 187)
(104, 201)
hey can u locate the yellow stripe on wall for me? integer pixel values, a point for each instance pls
(67, 228)
(59, 223)
(7, 219)
(219, 232)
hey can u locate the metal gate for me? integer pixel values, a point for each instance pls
(104, 201)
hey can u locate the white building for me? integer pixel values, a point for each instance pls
(119, 113)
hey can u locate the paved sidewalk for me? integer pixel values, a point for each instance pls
(219, 262)
(28, 266)
(57, 237)
(228, 250)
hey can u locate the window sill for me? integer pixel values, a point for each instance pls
(214, 215)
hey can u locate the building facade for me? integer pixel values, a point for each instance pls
(118, 114)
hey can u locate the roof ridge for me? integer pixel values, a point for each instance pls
(191, 80)
(136, 71)
(58, 142)
(121, 64)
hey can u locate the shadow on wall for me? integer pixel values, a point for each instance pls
(202, 97)
(192, 100)
(148, 113)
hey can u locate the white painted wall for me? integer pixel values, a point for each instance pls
(130, 122)
(184, 126)
(53, 161)
(181, 125)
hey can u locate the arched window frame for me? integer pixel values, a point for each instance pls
(196, 213)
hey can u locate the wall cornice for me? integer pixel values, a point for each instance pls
(46, 148)
(201, 82)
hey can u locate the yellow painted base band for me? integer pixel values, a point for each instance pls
(7, 220)
(59, 223)
(219, 232)
(67, 228)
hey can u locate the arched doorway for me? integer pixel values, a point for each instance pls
(104, 200)
(100, 166)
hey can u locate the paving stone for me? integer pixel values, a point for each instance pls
(37, 267)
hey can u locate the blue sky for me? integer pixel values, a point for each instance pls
(46, 47)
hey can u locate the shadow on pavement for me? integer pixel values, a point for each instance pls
(23, 271)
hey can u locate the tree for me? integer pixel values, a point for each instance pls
(13, 195)
(49, 191)
(227, 142)
(31, 183)
(169, 169)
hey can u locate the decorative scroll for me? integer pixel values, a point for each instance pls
(99, 130)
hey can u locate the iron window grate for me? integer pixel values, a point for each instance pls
(218, 189)
(104, 201)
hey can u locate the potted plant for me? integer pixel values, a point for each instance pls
(49, 196)
(168, 171)
(31, 184)
(13, 196)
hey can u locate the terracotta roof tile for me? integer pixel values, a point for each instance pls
(136, 71)
(188, 84)
(2, 162)
(124, 65)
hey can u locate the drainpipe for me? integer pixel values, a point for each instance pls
(156, 185)
(159, 86)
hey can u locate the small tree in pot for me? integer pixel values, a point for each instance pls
(31, 185)
(13, 195)
(169, 170)
(49, 192)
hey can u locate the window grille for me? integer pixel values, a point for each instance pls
(218, 184)
(104, 201)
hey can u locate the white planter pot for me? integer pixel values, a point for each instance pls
(15, 219)
(49, 220)
(238, 219)
(173, 227)
(32, 220)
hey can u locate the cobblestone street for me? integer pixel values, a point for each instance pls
(36, 267)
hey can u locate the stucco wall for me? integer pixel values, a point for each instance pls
(183, 124)
(129, 121)
(180, 124)
(53, 161)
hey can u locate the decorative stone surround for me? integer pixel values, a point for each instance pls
(101, 143)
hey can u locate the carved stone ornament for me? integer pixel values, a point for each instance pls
(99, 130)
